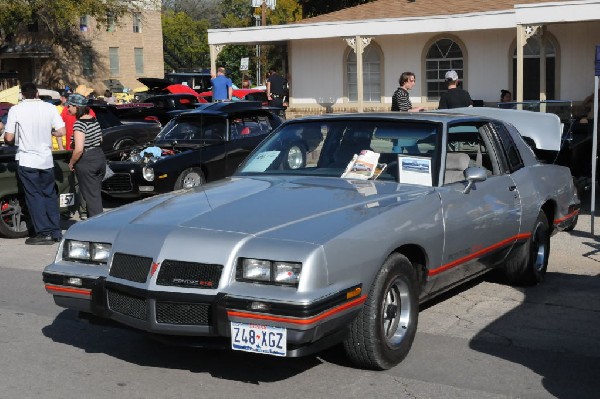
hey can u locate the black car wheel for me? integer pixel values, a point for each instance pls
(13, 222)
(528, 263)
(295, 157)
(124, 143)
(192, 177)
(382, 333)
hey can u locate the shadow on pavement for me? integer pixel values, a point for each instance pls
(553, 332)
(136, 348)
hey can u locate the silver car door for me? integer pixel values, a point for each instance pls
(482, 225)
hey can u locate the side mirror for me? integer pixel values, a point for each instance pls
(473, 175)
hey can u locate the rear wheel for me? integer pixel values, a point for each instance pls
(383, 332)
(528, 264)
(192, 177)
(13, 223)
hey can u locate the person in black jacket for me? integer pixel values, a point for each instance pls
(276, 89)
(455, 97)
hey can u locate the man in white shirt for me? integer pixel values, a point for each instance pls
(31, 125)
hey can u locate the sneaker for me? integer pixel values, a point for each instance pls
(41, 239)
(82, 216)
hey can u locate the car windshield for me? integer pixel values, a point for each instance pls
(327, 147)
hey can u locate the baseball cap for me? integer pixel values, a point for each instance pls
(77, 100)
(451, 75)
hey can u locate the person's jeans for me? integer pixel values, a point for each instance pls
(41, 199)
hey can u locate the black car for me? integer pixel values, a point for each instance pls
(195, 147)
(116, 135)
(161, 108)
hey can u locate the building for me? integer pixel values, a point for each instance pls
(353, 58)
(113, 56)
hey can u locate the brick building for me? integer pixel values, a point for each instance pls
(112, 56)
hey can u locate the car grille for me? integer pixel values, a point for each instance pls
(128, 305)
(189, 274)
(118, 183)
(130, 267)
(183, 313)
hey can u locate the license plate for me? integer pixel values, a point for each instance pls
(258, 339)
(67, 199)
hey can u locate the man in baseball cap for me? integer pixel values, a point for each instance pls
(455, 97)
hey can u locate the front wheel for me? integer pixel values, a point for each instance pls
(528, 264)
(383, 332)
(13, 223)
(192, 177)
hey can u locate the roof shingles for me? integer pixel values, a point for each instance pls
(382, 9)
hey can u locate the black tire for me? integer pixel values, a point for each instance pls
(572, 226)
(192, 177)
(383, 332)
(124, 144)
(295, 157)
(13, 221)
(528, 263)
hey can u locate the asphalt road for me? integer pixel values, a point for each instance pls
(484, 340)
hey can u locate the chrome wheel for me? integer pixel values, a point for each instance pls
(12, 219)
(395, 312)
(192, 179)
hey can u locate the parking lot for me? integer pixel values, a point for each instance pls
(482, 340)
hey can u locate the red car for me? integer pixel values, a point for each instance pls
(242, 95)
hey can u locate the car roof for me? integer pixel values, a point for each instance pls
(225, 108)
(435, 117)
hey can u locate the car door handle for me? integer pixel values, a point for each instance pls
(512, 188)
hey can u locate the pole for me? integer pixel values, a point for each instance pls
(594, 151)
(595, 137)
(263, 9)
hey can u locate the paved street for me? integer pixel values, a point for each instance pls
(484, 340)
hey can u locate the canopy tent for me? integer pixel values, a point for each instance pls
(10, 95)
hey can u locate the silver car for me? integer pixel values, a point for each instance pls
(287, 257)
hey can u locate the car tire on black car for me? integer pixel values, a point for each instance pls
(383, 332)
(192, 177)
(528, 263)
(295, 157)
(124, 143)
(13, 222)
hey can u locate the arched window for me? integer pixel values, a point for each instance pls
(443, 55)
(531, 69)
(371, 74)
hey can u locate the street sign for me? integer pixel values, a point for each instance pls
(244, 64)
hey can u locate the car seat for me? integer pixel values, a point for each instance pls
(456, 163)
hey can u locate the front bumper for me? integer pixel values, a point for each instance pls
(202, 320)
(128, 182)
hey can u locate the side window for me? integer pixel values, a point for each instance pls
(468, 145)
(249, 126)
(509, 147)
(213, 128)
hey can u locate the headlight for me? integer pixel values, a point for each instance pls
(86, 252)
(148, 173)
(269, 272)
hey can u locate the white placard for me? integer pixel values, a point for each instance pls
(244, 64)
(414, 170)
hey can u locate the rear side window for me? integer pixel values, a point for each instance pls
(511, 152)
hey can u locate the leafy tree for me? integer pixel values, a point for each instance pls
(185, 41)
(59, 17)
(57, 24)
(197, 10)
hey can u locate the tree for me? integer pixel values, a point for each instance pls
(54, 26)
(185, 41)
(59, 17)
(238, 14)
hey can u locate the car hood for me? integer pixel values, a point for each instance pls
(299, 209)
